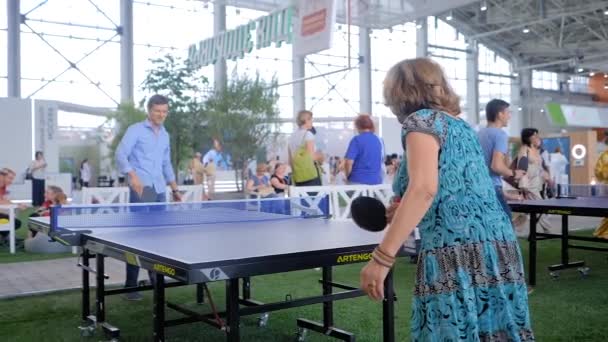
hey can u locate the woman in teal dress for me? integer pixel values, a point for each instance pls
(470, 283)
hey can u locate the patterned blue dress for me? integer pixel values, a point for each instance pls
(470, 283)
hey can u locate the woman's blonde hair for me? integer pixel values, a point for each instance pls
(303, 115)
(419, 83)
(60, 196)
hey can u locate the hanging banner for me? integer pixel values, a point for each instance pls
(314, 26)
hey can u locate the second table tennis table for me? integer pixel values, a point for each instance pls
(198, 243)
(578, 206)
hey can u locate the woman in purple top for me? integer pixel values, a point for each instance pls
(364, 154)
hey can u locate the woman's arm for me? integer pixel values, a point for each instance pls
(275, 183)
(250, 187)
(421, 190)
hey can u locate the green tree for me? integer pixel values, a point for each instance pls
(243, 116)
(183, 85)
(124, 116)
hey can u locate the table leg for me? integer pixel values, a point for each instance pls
(86, 299)
(159, 307)
(200, 293)
(388, 309)
(328, 307)
(565, 256)
(532, 251)
(232, 310)
(100, 298)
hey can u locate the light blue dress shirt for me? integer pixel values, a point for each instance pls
(148, 153)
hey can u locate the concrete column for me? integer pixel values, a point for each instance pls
(127, 87)
(219, 26)
(365, 71)
(517, 108)
(473, 83)
(13, 14)
(298, 72)
(526, 97)
(422, 38)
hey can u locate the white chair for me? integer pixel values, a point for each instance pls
(9, 227)
(190, 193)
(105, 195)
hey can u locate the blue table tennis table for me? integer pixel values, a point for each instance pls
(198, 243)
(593, 206)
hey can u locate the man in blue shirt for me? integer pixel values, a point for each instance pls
(494, 143)
(144, 155)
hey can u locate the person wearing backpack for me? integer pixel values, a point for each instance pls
(302, 155)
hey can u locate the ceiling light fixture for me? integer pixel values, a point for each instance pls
(484, 6)
(450, 16)
(591, 74)
(581, 69)
(525, 30)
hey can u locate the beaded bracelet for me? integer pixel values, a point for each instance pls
(380, 261)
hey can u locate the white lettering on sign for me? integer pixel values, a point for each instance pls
(274, 28)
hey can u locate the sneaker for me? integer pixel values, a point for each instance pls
(134, 296)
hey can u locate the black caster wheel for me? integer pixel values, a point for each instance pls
(301, 335)
(263, 320)
(554, 275)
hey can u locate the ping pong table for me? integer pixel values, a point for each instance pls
(592, 206)
(198, 243)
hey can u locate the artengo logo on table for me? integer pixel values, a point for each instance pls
(348, 258)
(160, 268)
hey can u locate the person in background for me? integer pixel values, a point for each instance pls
(494, 144)
(278, 180)
(557, 165)
(144, 154)
(304, 138)
(340, 178)
(85, 173)
(53, 195)
(601, 176)
(7, 176)
(37, 169)
(211, 163)
(364, 154)
(259, 184)
(196, 168)
(210, 172)
(531, 185)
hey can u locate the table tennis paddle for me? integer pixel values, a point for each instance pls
(368, 213)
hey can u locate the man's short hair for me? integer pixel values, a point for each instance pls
(494, 107)
(157, 99)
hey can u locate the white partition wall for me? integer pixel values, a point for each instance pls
(16, 137)
(45, 135)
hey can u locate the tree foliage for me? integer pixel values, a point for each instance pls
(243, 116)
(124, 116)
(183, 85)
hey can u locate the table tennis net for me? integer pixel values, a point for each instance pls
(582, 190)
(184, 214)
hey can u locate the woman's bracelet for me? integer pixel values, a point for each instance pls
(384, 255)
(381, 262)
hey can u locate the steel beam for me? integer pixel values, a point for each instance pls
(13, 14)
(126, 51)
(365, 72)
(219, 26)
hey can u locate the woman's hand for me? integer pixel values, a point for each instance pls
(372, 280)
